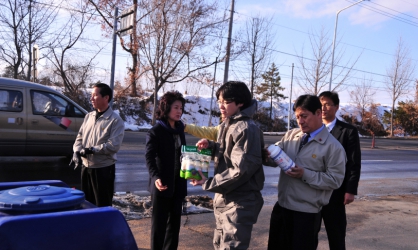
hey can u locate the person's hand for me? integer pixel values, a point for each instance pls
(86, 151)
(200, 182)
(202, 143)
(348, 198)
(159, 185)
(265, 155)
(76, 160)
(295, 172)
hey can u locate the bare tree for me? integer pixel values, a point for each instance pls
(74, 72)
(174, 39)
(362, 95)
(399, 76)
(258, 39)
(24, 23)
(106, 9)
(314, 73)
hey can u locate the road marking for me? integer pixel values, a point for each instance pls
(376, 160)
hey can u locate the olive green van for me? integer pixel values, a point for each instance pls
(36, 120)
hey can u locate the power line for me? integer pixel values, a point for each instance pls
(282, 52)
(385, 13)
(395, 10)
(307, 33)
(370, 8)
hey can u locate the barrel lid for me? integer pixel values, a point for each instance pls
(39, 198)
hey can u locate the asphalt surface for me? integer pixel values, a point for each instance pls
(383, 216)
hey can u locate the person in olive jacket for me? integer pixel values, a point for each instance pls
(163, 151)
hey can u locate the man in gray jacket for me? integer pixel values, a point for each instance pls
(305, 189)
(96, 145)
(239, 175)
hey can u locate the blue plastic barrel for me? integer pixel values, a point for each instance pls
(37, 215)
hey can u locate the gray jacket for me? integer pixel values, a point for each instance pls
(105, 136)
(240, 168)
(323, 159)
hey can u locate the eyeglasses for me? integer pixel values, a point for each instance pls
(223, 103)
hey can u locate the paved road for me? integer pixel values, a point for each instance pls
(391, 159)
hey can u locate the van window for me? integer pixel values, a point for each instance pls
(45, 103)
(11, 100)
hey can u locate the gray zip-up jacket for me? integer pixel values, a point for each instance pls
(105, 136)
(240, 167)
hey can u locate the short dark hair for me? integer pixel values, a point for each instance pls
(308, 102)
(331, 95)
(166, 101)
(235, 91)
(104, 90)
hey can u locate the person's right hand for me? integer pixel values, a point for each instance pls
(76, 160)
(202, 143)
(159, 185)
(195, 182)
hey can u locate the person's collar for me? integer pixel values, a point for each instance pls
(98, 114)
(314, 133)
(331, 125)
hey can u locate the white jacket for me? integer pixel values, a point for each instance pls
(105, 136)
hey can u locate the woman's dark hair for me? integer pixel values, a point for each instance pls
(234, 91)
(166, 101)
(308, 102)
(104, 90)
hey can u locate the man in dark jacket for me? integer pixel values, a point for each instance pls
(334, 214)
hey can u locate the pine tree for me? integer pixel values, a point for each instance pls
(270, 88)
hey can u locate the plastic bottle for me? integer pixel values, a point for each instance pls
(280, 158)
(197, 166)
(183, 165)
(205, 165)
(189, 167)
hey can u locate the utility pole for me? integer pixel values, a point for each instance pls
(211, 99)
(28, 77)
(112, 70)
(35, 53)
(228, 45)
(126, 26)
(333, 41)
(290, 101)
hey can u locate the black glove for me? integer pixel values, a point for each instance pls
(76, 160)
(86, 151)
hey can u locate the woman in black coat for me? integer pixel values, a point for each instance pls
(163, 151)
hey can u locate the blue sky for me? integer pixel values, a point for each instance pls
(361, 31)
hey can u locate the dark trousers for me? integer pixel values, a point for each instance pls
(98, 185)
(335, 221)
(292, 230)
(165, 222)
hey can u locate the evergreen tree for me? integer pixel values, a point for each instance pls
(270, 88)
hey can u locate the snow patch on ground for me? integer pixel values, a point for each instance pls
(134, 207)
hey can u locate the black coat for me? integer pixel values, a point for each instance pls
(163, 162)
(348, 136)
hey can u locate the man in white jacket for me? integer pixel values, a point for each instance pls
(306, 188)
(96, 145)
